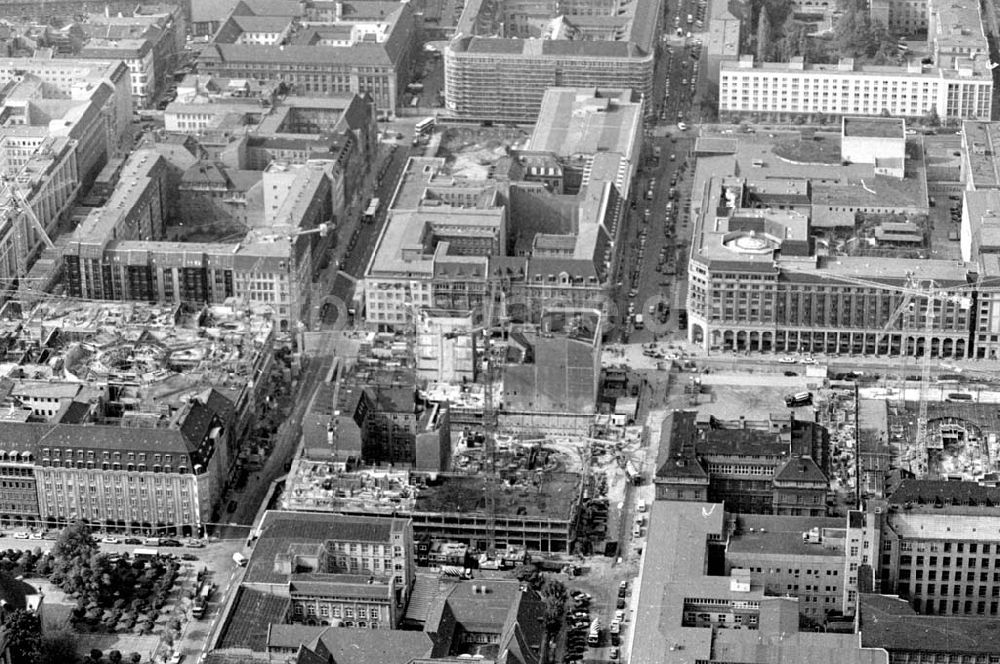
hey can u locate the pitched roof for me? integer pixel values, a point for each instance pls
(801, 469)
(350, 645)
(250, 618)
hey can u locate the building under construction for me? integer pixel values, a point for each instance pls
(961, 439)
(536, 496)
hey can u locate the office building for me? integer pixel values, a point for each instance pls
(505, 54)
(106, 84)
(117, 252)
(891, 624)
(575, 125)
(939, 548)
(980, 244)
(320, 570)
(758, 282)
(48, 182)
(143, 446)
(961, 90)
(796, 556)
(689, 610)
(368, 51)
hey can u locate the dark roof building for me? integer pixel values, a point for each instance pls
(702, 460)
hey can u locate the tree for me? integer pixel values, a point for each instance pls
(57, 647)
(25, 632)
(763, 35)
(135, 658)
(115, 657)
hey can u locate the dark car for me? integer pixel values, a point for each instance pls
(132, 540)
(232, 506)
(169, 542)
(189, 556)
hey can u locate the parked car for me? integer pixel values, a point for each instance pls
(132, 540)
(21, 536)
(109, 540)
(169, 542)
(232, 506)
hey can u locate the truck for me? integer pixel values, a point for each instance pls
(201, 601)
(594, 636)
(145, 554)
(798, 399)
(240, 559)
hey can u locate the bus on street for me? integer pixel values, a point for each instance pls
(424, 126)
(371, 211)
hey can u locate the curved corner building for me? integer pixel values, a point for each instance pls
(506, 53)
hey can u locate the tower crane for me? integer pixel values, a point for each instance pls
(914, 291)
(14, 204)
(490, 375)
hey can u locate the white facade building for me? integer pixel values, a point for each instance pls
(845, 89)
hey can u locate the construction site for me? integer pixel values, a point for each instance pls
(961, 439)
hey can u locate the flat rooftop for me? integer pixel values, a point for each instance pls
(874, 127)
(979, 70)
(584, 121)
(782, 535)
(891, 623)
(618, 29)
(981, 152)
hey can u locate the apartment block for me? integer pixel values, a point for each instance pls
(962, 90)
(506, 54)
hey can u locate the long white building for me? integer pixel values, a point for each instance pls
(914, 90)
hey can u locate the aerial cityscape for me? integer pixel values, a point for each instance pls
(499, 331)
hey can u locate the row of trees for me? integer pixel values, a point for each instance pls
(27, 644)
(856, 35)
(112, 594)
(780, 36)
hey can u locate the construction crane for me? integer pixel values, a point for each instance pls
(490, 375)
(914, 291)
(14, 204)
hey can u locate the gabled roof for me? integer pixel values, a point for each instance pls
(801, 469)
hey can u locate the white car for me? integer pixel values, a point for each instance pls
(787, 360)
(35, 536)
(109, 540)
(807, 360)
(21, 536)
